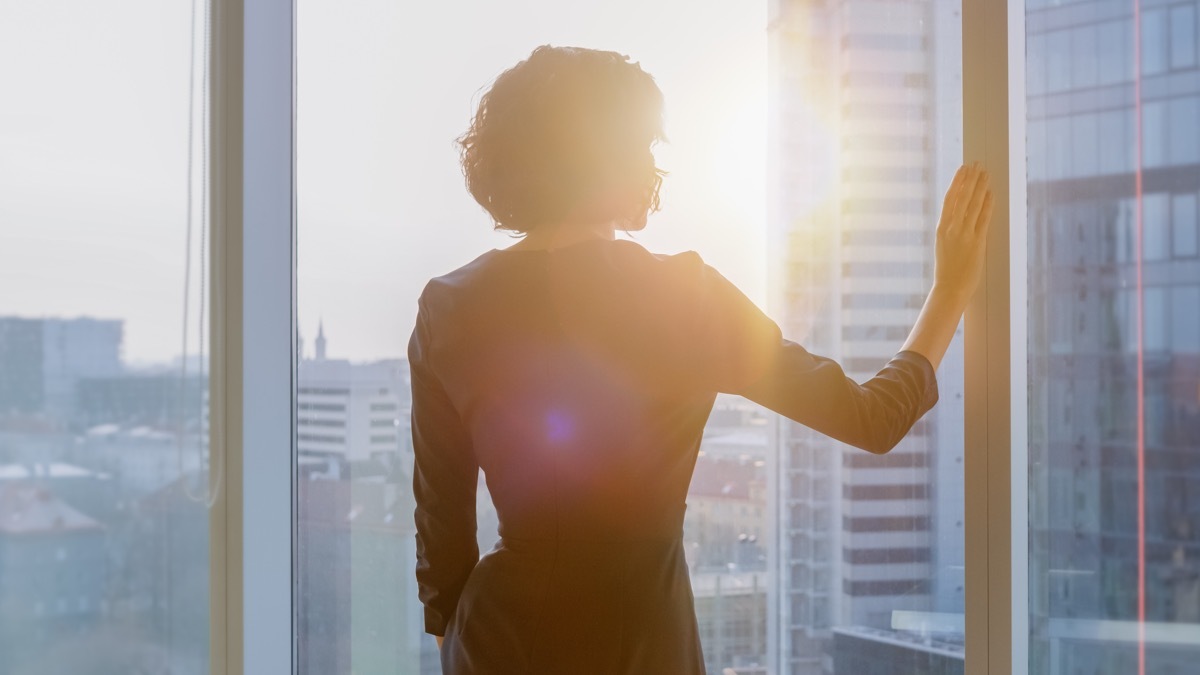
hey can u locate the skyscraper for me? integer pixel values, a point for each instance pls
(43, 361)
(1114, 336)
(866, 132)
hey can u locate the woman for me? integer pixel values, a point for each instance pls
(577, 371)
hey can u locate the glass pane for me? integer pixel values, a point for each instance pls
(805, 556)
(1183, 36)
(104, 528)
(1114, 351)
(866, 135)
(384, 89)
(1155, 45)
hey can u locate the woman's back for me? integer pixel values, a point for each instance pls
(579, 389)
(582, 381)
(579, 380)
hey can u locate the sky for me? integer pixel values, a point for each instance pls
(93, 151)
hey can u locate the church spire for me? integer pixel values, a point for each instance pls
(320, 342)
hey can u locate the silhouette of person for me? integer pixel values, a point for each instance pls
(577, 370)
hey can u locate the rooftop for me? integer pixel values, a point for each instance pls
(45, 470)
(32, 509)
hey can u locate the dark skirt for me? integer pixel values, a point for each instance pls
(576, 607)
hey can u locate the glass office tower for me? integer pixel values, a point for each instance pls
(1113, 114)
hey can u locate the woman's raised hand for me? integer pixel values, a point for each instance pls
(961, 243)
(962, 233)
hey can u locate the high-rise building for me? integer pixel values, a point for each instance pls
(43, 361)
(1113, 162)
(865, 122)
(349, 412)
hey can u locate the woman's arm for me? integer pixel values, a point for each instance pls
(961, 241)
(445, 476)
(814, 390)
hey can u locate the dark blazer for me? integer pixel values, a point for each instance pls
(579, 380)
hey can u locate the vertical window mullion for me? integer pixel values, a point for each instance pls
(1017, 572)
(990, 92)
(253, 335)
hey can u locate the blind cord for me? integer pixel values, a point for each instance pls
(216, 453)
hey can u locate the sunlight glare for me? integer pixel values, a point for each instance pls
(740, 159)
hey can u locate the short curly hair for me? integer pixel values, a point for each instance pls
(566, 137)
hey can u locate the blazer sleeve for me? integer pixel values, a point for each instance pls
(745, 354)
(445, 477)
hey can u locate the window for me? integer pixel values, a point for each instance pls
(104, 398)
(1115, 55)
(1155, 43)
(1185, 137)
(105, 409)
(1156, 226)
(1185, 320)
(878, 535)
(1085, 57)
(1184, 225)
(1113, 383)
(1114, 158)
(1058, 60)
(1183, 36)
(1085, 144)
(376, 163)
(1156, 144)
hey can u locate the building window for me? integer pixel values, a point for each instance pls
(1155, 43)
(322, 407)
(1183, 36)
(1185, 226)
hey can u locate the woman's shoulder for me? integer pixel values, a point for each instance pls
(622, 256)
(682, 261)
(460, 277)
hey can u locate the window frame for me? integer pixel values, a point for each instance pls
(252, 555)
(252, 415)
(995, 417)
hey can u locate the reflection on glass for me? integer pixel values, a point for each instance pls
(1114, 347)
(104, 560)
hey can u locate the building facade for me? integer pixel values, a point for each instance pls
(351, 412)
(53, 571)
(43, 360)
(1114, 335)
(865, 134)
